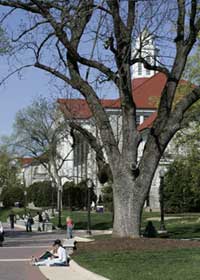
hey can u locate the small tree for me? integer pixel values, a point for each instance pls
(39, 134)
(108, 197)
(181, 185)
(41, 194)
(76, 195)
(9, 169)
(10, 195)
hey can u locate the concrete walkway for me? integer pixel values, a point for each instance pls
(29, 243)
(73, 272)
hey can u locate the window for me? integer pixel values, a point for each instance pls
(139, 69)
(137, 120)
(148, 59)
(81, 149)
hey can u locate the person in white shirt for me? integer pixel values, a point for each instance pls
(59, 260)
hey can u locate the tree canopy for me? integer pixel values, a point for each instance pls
(86, 43)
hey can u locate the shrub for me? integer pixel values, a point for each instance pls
(10, 195)
(181, 185)
(76, 195)
(42, 194)
(107, 197)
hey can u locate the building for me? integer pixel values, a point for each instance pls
(81, 164)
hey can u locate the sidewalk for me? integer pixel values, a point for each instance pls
(72, 272)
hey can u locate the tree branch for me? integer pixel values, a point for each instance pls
(148, 66)
(180, 23)
(29, 30)
(20, 5)
(14, 72)
(103, 174)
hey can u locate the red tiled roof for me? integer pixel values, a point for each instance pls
(79, 109)
(146, 94)
(26, 161)
(148, 122)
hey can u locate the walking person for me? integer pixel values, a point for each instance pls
(70, 226)
(1, 234)
(29, 223)
(12, 219)
(40, 221)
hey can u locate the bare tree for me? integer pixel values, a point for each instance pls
(65, 31)
(39, 134)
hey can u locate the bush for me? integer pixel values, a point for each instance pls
(42, 194)
(75, 196)
(181, 186)
(108, 197)
(11, 195)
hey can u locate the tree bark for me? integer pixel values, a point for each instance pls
(128, 206)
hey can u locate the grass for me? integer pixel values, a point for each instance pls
(137, 265)
(186, 227)
(99, 221)
(164, 265)
(4, 212)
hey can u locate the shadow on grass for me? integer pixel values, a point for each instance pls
(97, 226)
(185, 231)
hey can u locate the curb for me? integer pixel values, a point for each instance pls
(73, 272)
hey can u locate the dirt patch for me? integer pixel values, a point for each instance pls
(124, 244)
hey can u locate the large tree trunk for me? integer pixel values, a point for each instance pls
(128, 205)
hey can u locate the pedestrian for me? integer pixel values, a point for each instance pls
(70, 226)
(29, 223)
(12, 219)
(47, 219)
(43, 220)
(40, 221)
(1, 234)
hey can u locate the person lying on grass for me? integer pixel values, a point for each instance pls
(56, 257)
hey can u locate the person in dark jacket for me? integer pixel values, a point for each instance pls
(12, 219)
(150, 230)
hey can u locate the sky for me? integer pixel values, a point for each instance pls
(16, 94)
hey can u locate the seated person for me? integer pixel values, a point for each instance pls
(46, 255)
(60, 259)
(150, 230)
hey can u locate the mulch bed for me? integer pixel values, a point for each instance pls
(146, 244)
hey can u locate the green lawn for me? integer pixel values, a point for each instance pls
(176, 264)
(163, 265)
(4, 212)
(186, 227)
(98, 220)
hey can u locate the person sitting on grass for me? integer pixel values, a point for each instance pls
(56, 257)
(150, 230)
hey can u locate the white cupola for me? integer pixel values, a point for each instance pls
(144, 46)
